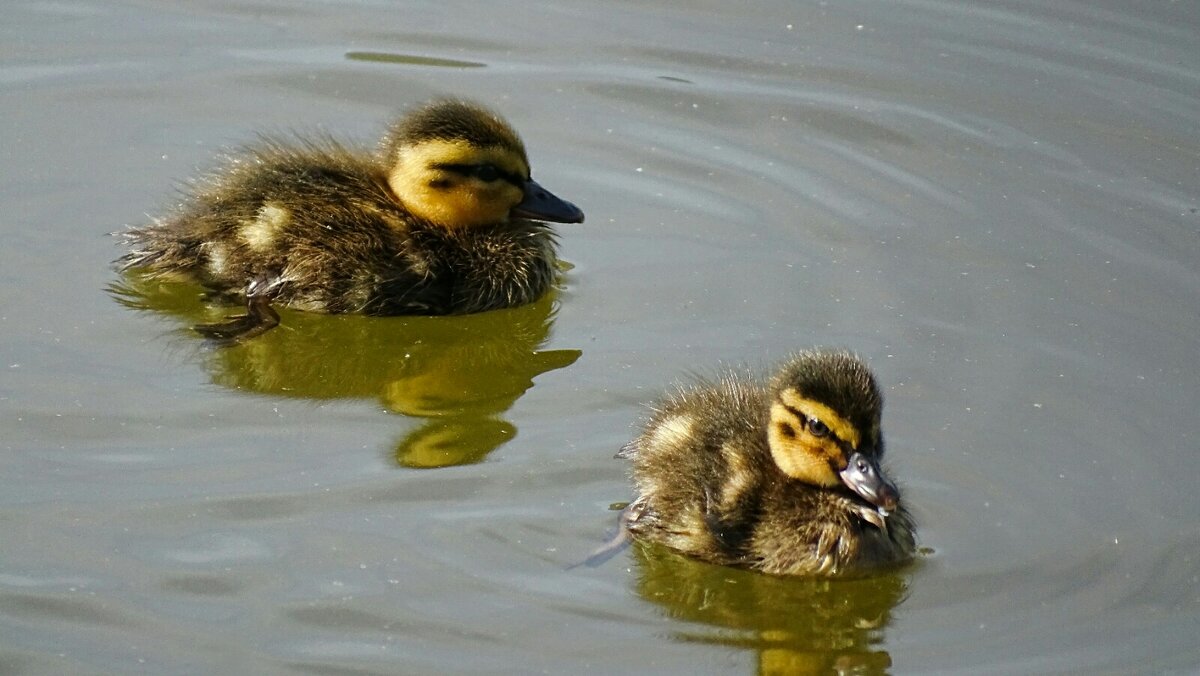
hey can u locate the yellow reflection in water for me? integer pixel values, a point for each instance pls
(458, 375)
(794, 625)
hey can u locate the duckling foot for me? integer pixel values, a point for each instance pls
(260, 317)
(875, 517)
(619, 541)
(614, 546)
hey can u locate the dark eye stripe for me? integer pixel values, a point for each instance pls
(829, 433)
(480, 170)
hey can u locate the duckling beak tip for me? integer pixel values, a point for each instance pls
(542, 205)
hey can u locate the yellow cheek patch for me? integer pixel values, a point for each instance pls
(815, 409)
(449, 198)
(800, 455)
(462, 206)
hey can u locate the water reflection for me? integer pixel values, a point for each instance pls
(412, 60)
(795, 625)
(456, 374)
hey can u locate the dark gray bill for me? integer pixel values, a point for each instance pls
(863, 476)
(542, 205)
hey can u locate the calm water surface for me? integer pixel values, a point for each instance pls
(995, 203)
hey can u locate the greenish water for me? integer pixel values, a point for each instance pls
(458, 375)
(994, 204)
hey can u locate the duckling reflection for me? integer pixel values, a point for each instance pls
(457, 375)
(794, 625)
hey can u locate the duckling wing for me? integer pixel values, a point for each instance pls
(731, 513)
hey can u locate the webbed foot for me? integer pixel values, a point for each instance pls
(260, 317)
(620, 540)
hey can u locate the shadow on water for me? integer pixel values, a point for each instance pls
(458, 375)
(794, 625)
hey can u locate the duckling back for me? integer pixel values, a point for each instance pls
(698, 472)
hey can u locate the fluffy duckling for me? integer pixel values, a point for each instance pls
(782, 477)
(442, 219)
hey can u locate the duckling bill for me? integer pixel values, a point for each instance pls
(782, 476)
(444, 218)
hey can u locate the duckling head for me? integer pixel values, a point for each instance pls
(459, 165)
(824, 425)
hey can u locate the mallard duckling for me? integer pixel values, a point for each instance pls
(782, 477)
(442, 219)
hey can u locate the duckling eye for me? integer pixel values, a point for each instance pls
(487, 173)
(817, 428)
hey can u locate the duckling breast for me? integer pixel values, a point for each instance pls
(817, 531)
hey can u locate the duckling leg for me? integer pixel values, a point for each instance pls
(260, 317)
(620, 540)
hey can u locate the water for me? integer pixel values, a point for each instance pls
(994, 203)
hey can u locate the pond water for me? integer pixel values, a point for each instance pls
(995, 203)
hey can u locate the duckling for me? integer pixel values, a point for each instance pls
(781, 477)
(443, 218)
